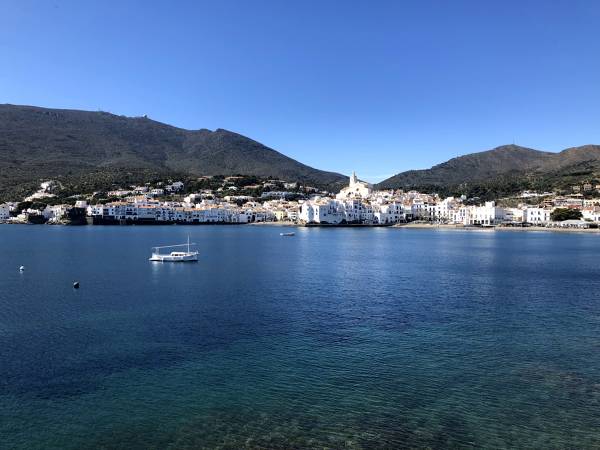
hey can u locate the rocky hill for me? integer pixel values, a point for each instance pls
(38, 143)
(504, 170)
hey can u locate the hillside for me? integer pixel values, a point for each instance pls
(504, 170)
(473, 167)
(37, 143)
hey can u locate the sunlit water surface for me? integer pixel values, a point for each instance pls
(339, 338)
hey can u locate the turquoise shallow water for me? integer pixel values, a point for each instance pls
(339, 338)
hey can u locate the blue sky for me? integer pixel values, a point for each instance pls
(376, 86)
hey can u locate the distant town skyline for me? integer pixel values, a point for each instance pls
(374, 87)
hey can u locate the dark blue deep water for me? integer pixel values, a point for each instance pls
(338, 338)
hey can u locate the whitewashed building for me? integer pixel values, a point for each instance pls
(591, 213)
(443, 211)
(326, 211)
(55, 211)
(4, 211)
(486, 215)
(536, 216)
(514, 215)
(389, 213)
(355, 189)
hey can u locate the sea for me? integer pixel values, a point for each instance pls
(353, 338)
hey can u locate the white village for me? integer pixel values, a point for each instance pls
(357, 204)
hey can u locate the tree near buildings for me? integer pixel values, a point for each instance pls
(560, 214)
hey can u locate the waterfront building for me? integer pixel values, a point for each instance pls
(461, 215)
(536, 216)
(514, 215)
(4, 211)
(486, 215)
(208, 211)
(591, 213)
(322, 210)
(442, 211)
(389, 213)
(419, 209)
(56, 212)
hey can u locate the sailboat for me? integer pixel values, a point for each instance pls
(175, 256)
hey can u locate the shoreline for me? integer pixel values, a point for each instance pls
(399, 226)
(427, 226)
(273, 224)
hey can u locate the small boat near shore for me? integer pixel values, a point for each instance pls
(291, 233)
(174, 256)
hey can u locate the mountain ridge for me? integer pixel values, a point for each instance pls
(38, 142)
(520, 165)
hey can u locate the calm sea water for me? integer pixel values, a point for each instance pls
(339, 338)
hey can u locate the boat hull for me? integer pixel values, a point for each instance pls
(170, 258)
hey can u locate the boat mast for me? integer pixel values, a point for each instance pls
(188, 243)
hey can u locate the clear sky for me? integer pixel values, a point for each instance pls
(376, 86)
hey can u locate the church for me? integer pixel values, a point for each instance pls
(356, 189)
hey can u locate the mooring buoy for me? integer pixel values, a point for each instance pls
(76, 285)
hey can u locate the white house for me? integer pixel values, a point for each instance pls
(175, 187)
(389, 213)
(55, 211)
(514, 214)
(420, 209)
(4, 211)
(486, 215)
(591, 213)
(321, 211)
(444, 210)
(536, 216)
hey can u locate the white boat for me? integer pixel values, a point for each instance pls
(291, 233)
(174, 256)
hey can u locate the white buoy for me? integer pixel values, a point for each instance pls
(22, 269)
